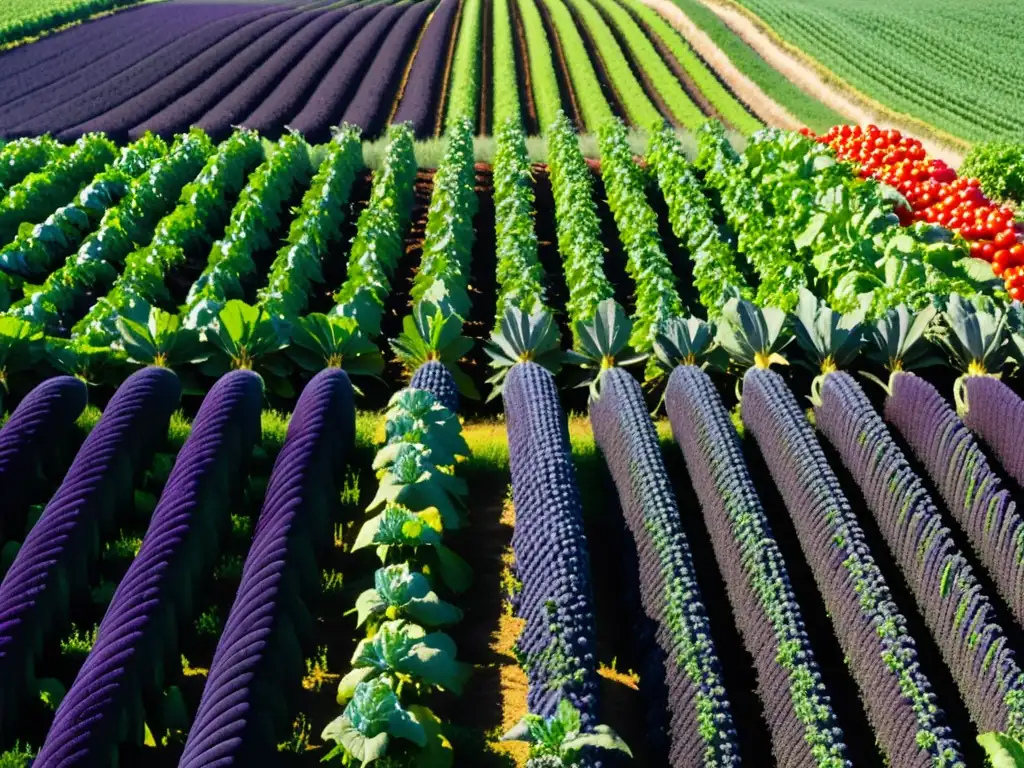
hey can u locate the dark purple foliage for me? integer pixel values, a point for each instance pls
(259, 658)
(74, 56)
(796, 704)
(291, 93)
(34, 431)
(371, 103)
(326, 104)
(996, 414)
(882, 655)
(423, 87)
(108, 93)
(143, 101)
(972, 492)
(668, 583)
(551, 557)
(52, 562)
(240, 85)
(139, 631)
(953, 604)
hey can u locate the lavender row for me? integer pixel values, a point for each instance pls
(803, 726)
(136, 640)
(49, 571)
(873, 634)
(107, 93)
(325, 105)
(47, 87)
(243, 48)
(371, 103)
(996, 414)
(281, 106)
(701, 732)
(424, 85)
(551, 557)
(259, 659)
(972, 492)
(227, 97)
(954, 605)
(32, 433)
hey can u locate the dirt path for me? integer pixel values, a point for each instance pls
(745, 89)
(811, 82)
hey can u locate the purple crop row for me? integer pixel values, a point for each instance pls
(227, 97)
(899, 700)
(104, 92)
(797, 706)
(668, 582)
(169, 67)
(955, 607)
(551, 557)
(241, 49)
(423, 87)
(285, 101)
(973, 493)
(50, 570)
(32, 433)
(368, 107)
(72, 57)
(325, 105)
(136, 640)
(259, 658)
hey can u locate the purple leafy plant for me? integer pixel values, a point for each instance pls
(137, 635)
(259, 657)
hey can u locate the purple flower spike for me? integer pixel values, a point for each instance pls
(550, 548)
(35, 594)
(259, 658)
(900, 703)
(955, 607)
(804, 728)
(34, 430)
(996, 415)
(974, 495)
(668, 581)
(138, 632)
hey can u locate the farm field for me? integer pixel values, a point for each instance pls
(945, 63)
(495, 383)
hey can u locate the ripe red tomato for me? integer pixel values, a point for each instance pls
(1017, 293)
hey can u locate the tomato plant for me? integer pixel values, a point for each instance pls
(934, 194)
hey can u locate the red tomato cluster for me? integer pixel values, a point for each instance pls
(935, 195)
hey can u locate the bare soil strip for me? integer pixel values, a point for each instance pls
(797, 66)
(637, 68)
(561, 68)
(531, 123)
(613, 97)
(742, 87)
(687, 83)
(486, 65)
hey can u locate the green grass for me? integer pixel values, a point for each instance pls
(506, 87)
(952, 64)
(731, 110)
(464, 87)
(594, 107)
(662, 78)
(639, 108)
(547, 98)
(812, 112)
(29, 18)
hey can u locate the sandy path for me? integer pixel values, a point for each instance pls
(808, 80)
(745, 89)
